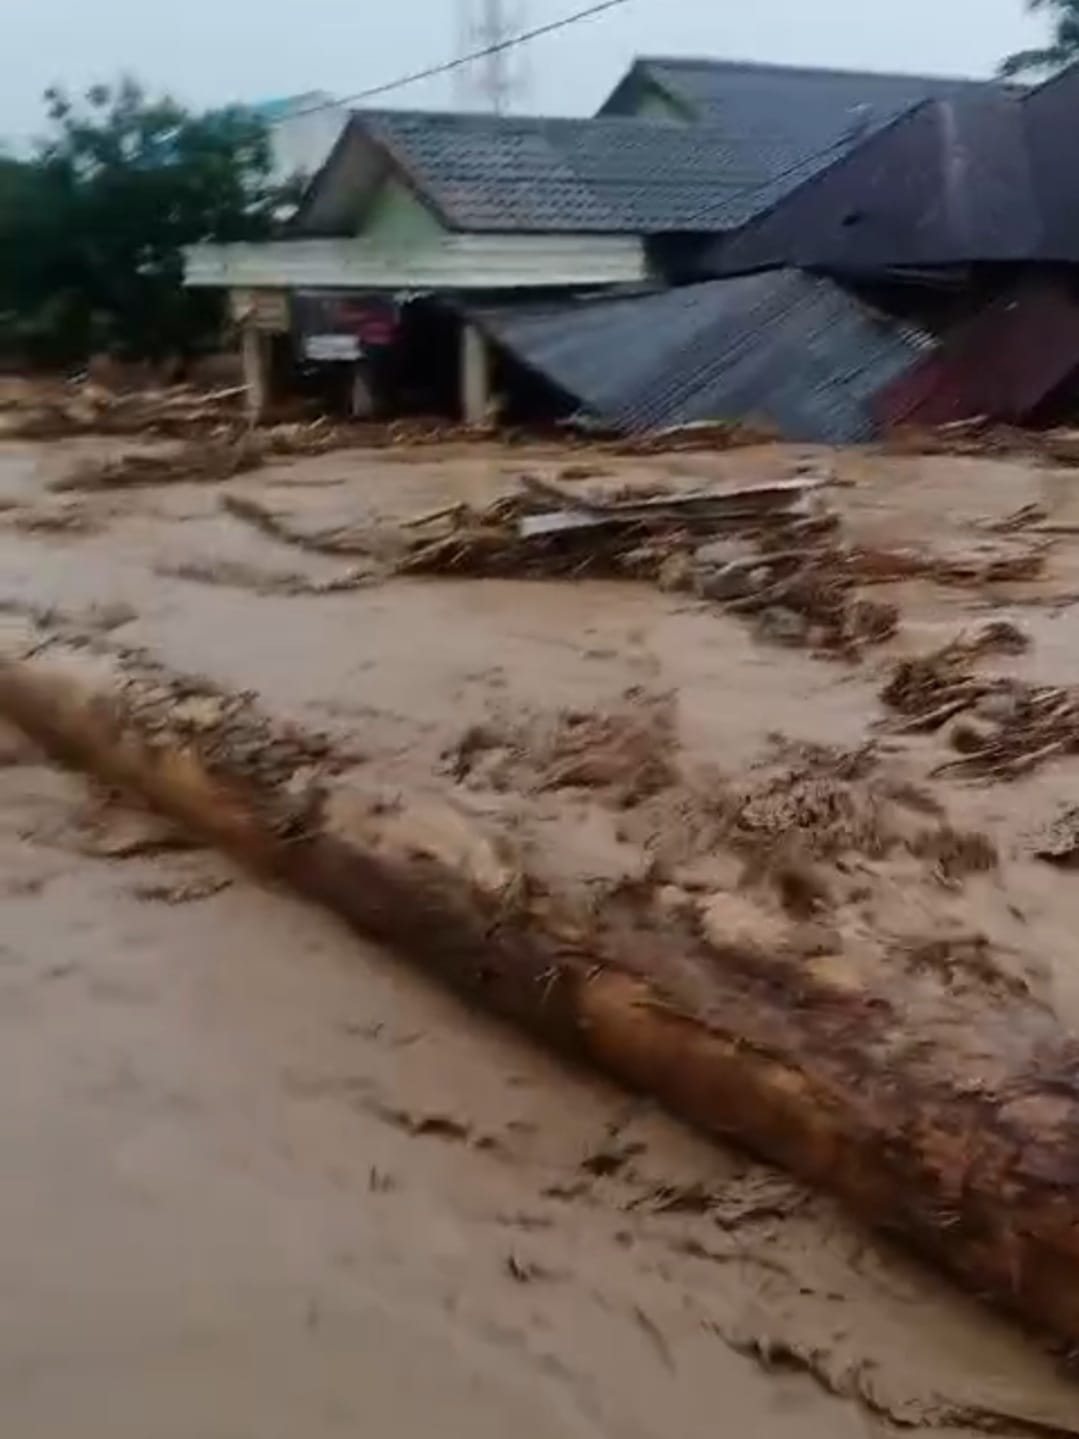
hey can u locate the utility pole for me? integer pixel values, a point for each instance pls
(498, 78)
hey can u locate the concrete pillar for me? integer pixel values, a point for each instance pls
(361, 399)
(475, 377)
(255, 353)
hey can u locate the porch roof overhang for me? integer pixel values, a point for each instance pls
(456, 262)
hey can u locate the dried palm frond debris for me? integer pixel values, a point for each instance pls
(47, 409)
(202, 460)
(1000, 726)
(208, 458)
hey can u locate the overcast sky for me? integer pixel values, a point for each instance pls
(211, 51)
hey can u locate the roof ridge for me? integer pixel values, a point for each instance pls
(832, 71)
(489, 117)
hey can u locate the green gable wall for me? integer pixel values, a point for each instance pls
(396, 219)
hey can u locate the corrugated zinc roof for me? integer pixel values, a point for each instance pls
(1031, 333)
(1050, 114)
(985, 177)
(792, 350)
(946, 184)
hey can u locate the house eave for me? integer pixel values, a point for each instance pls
(459, 262)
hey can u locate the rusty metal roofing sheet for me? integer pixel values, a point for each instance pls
(1032, 334)
(790, 350)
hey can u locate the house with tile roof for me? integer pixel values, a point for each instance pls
(413, 200)
(972, 196)
(417, 204)
(489, 210)
(570, 201)
(822, 106)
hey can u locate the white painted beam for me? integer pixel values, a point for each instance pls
(458, 262)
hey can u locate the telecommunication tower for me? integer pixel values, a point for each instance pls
(498, 79)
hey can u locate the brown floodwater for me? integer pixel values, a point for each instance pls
(262, 1180)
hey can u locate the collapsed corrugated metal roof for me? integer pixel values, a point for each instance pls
(792, 351)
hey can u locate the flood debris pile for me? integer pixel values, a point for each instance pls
(205, 460)
(46, 409)
(1057, 842)
(827, 803)
(980, 436)
(1004, 560)
(545, 530)
(235, 448)
(178, 728)
(626, 754)
(337, 540)
(237, 574)
(208, 459)
(232, 735)
(802, 811)
(52, 411)
(976, 435)
(696, 435)
(1001, 727)
(68, 518)
(771, 551)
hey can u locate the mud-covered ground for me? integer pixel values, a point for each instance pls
(261, 1179)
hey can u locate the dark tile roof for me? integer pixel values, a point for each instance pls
(760, 131)
(609, 175)
(820, 107)
(793, 350)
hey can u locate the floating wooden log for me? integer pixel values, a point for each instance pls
(946, 1116)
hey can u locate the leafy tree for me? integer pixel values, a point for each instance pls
(92, 228)
(1063, 48)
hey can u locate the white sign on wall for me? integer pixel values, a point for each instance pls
(328, 349)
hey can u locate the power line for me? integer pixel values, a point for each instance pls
(448, 66)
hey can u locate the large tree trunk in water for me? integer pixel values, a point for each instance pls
(954, 1129)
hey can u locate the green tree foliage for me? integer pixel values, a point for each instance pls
(92, 228)
(1063, 47)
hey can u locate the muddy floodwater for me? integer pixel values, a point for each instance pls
(262, 1180)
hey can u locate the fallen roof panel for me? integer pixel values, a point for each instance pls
(795, 352)
(1031, 331)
